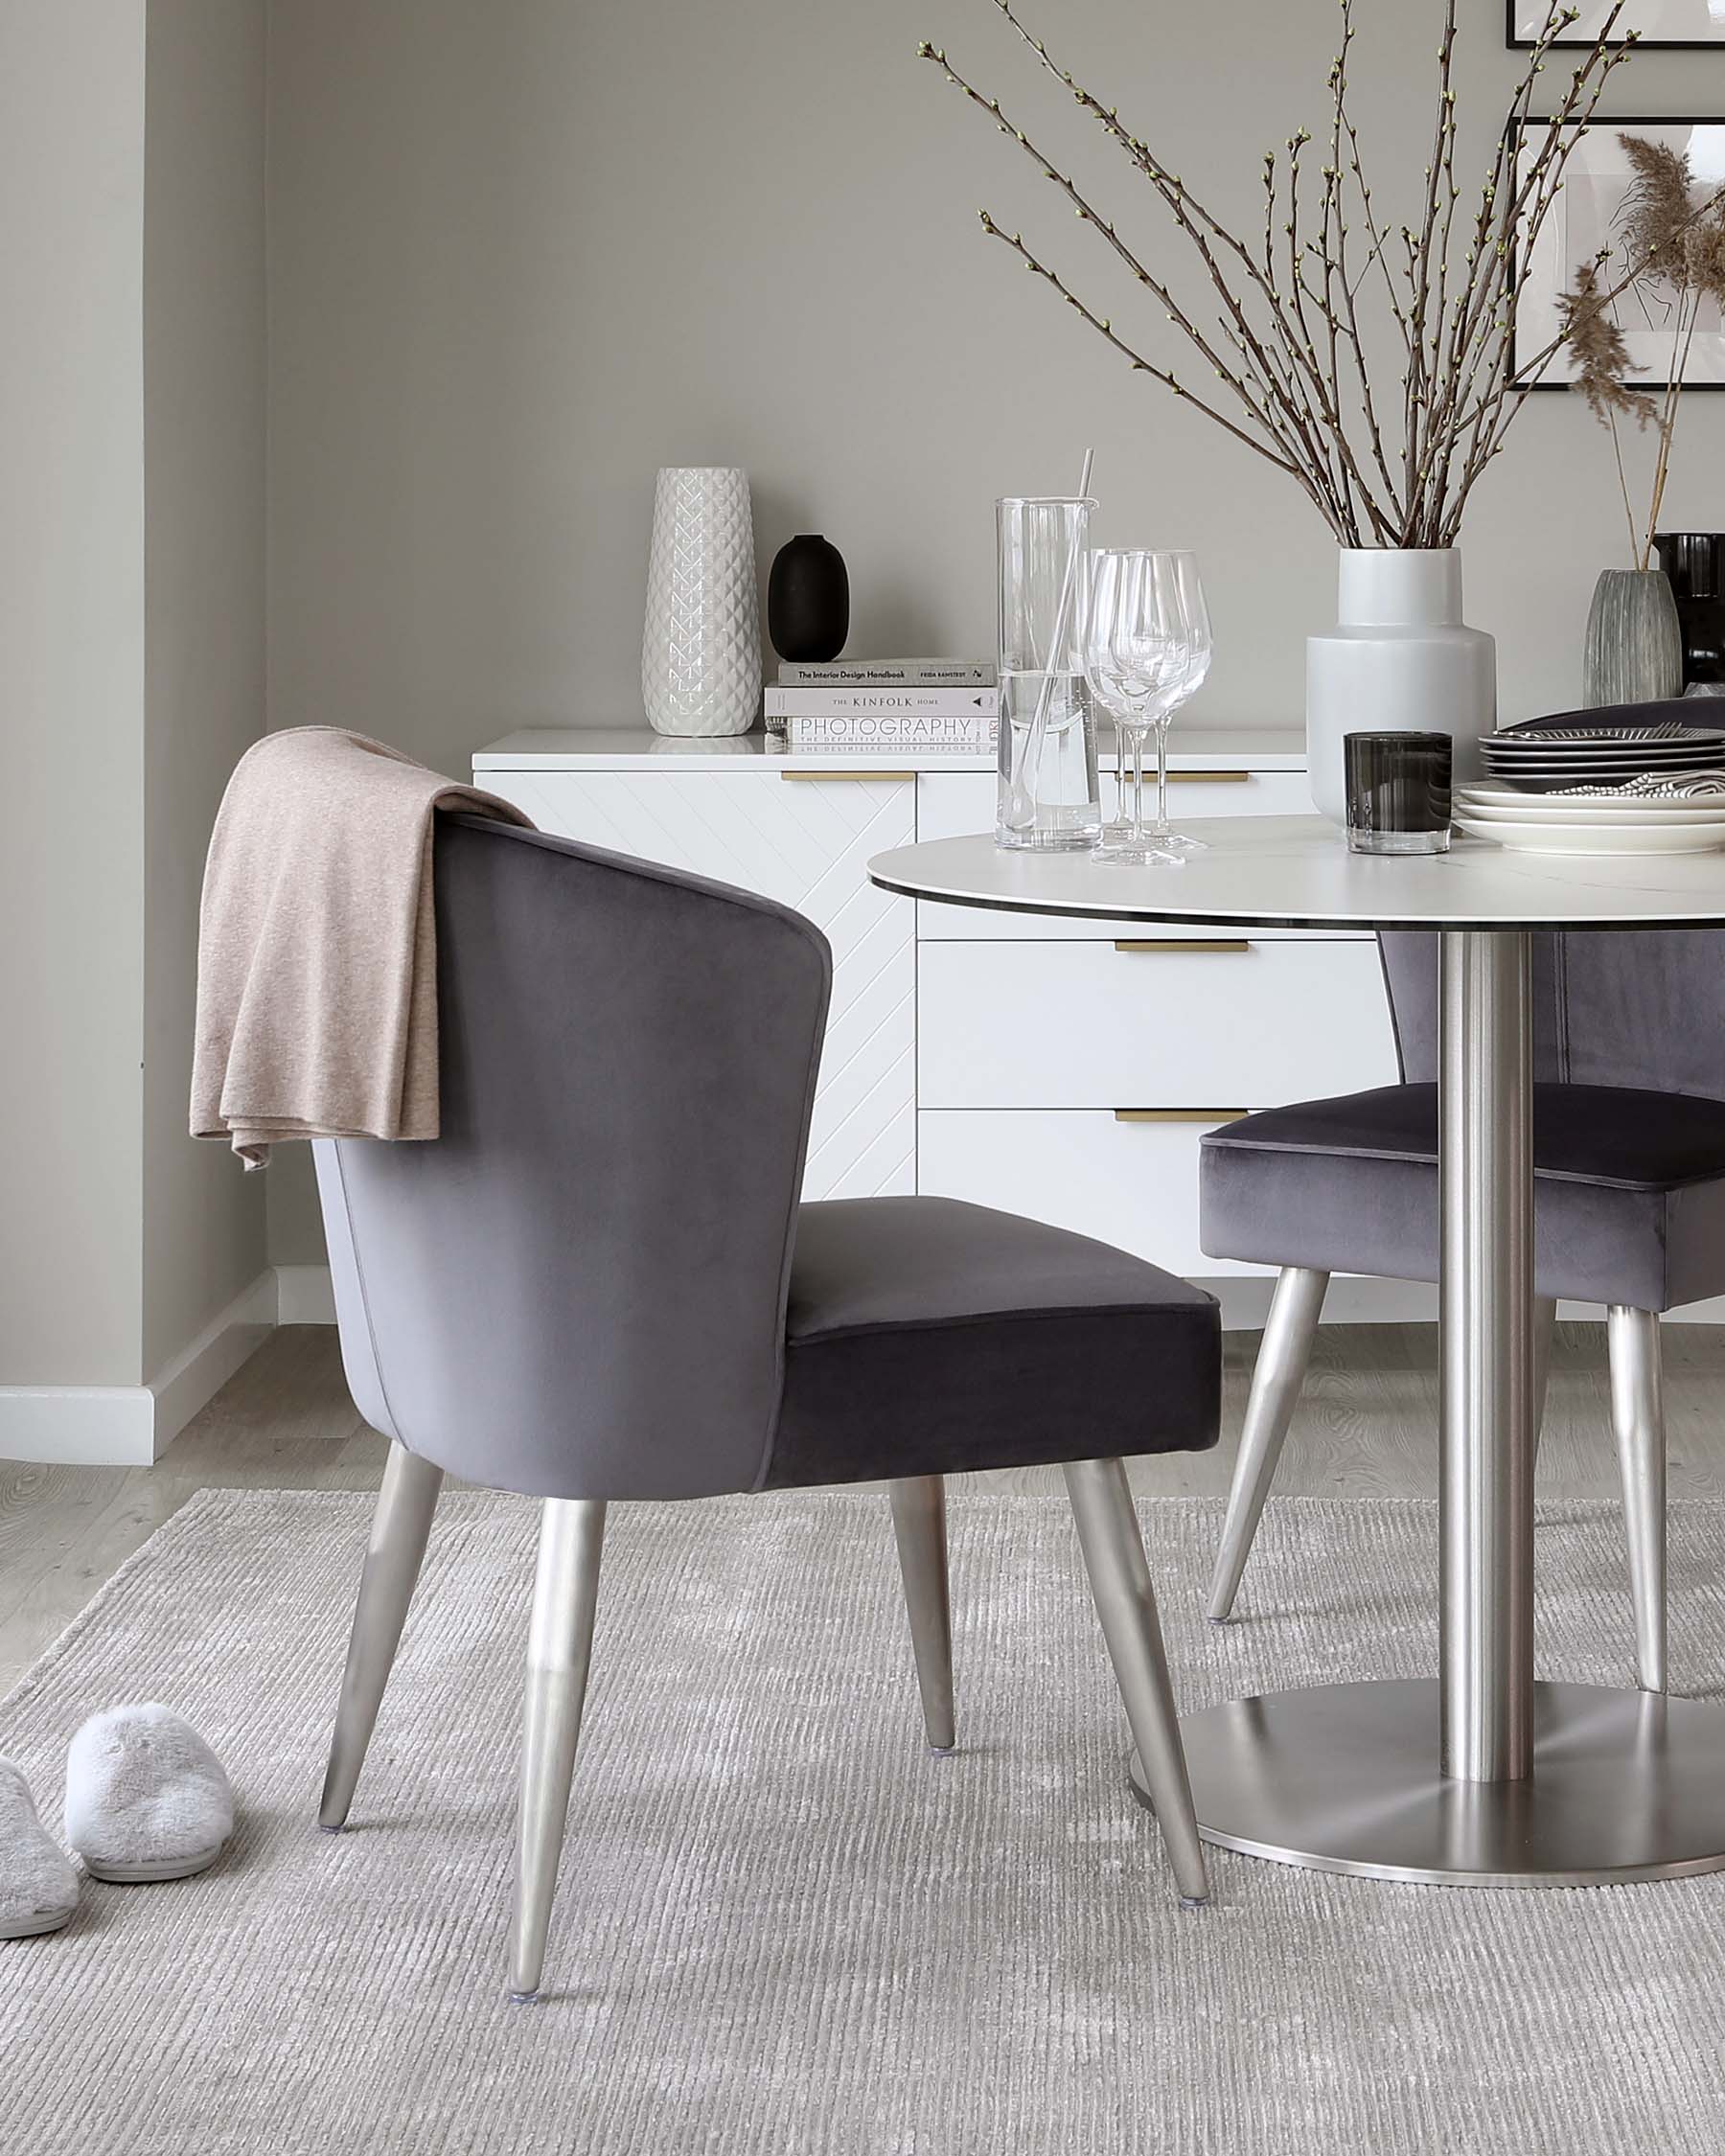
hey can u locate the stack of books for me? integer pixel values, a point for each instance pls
(853, 704)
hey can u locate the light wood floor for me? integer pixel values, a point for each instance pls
(1365, 1427)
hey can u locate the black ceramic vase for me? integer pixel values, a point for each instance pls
(1694, 562)
(808, 599)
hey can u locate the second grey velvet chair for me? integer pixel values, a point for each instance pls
(1630, 1204)
(598, 1284)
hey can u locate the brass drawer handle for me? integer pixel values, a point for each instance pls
(1209, 778)
(1181, 1115)
(847, 774)
(1174, 942)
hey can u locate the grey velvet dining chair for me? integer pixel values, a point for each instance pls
(1629, 1200)
(598, 1284)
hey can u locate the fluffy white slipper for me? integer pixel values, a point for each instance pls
(146, 1796)
(38, 1888)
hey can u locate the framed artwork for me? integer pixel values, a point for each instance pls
(1587, 216)
(1692, 24)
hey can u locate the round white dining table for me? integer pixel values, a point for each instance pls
(1483, 1775)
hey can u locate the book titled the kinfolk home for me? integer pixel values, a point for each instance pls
(974, 705)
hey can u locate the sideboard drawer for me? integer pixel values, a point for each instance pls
(806, 844)
(1132, 1184)
(955, 804)
(1154, 1022)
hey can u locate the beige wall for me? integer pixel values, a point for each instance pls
(132, 654)
(71, 688)
(522, 254)
(203, 470)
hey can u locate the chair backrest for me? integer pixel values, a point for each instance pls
(578, 1289)
(1631, 1007)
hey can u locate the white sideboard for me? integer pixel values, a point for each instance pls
(1052, 1067)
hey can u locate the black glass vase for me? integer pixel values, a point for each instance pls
(1694, 567)
(808, 600)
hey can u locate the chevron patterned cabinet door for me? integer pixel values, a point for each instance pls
(806, 843)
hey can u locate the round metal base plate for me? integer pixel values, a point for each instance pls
(1344, 1778)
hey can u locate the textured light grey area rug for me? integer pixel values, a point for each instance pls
(783, 1927)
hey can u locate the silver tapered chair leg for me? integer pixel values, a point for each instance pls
(1545, 1327)
(1276, 1388)
(919, 1528)
(560, 1649)
(401, 1525)
(1638, 1421)
(1119, 1578)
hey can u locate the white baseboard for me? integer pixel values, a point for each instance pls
(304, 1295)
(305, 1298)
(1352, 1300)
(1692, 1314)
(199, 1371)
(1245, 1300)
(78, 1425)
(132, 1425)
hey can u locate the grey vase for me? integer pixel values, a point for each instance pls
(1634, 639)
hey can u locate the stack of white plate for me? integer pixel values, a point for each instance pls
(1543, 762)
(1591, 824)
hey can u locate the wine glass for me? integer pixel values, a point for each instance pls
(1128, 657)
(1175, 604)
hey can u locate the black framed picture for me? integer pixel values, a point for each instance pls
(1586, 218)
(1686, 24)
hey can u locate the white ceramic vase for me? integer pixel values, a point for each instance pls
(701, 647)
(1399, 660)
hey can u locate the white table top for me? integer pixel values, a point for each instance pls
(637, 748)
(1296, 872)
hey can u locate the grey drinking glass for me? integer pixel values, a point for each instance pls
(1398, 793)
(1127, 656)
(1174, 606)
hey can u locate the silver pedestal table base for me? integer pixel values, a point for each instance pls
(1344, 1778)
(1479, 1777)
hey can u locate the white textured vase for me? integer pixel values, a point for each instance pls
(1400, 661)
(701, 648)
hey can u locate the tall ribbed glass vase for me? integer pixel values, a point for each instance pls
(701, 646)
(1634, 653)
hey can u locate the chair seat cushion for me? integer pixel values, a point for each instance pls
(1629, 1190)
(927, 1337)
